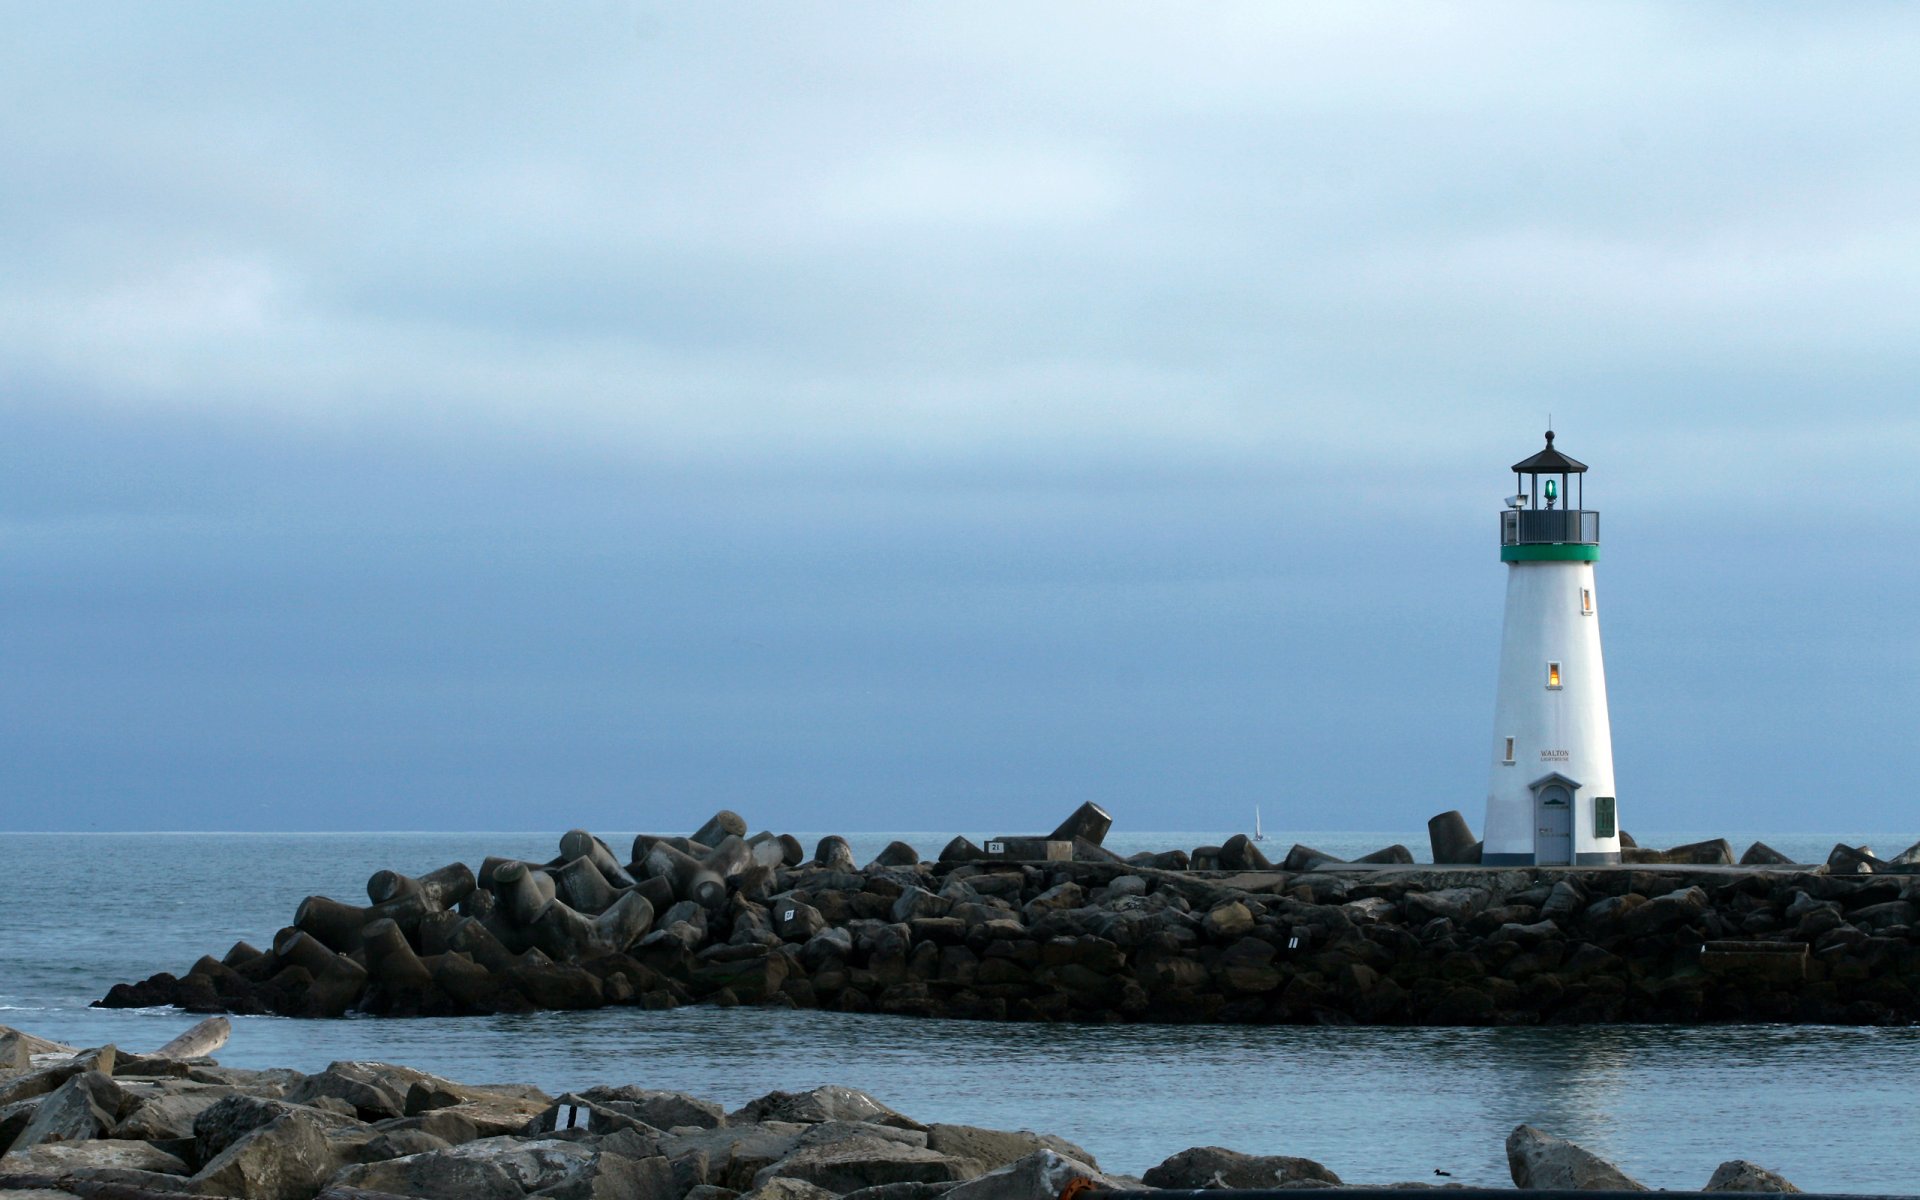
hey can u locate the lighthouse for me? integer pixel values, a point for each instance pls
(1550, 799)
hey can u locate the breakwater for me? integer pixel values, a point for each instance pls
(1086, 937)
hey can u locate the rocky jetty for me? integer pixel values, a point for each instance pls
(99, 1123)
(1057, 928)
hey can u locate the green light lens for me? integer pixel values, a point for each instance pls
(1553, 490)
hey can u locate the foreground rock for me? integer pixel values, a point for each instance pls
(1542, 1161)
(1072, 933)
(139, 1127)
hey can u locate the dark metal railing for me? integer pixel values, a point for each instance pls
(1549, 526)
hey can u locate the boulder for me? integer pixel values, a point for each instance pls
(1042, 1175)
(84, 1107)
(64, 1158)
(1456, 904)
(1762, 855)
(730, 1156)
(1228, 922)
(435, 1176)
(847, 1164)
(830, 1103)
(996, 1148)
(782, 1188)
(662, 1110)
(1740, 1175)
(399, 1143)
(288, 1158)
(1541, 1161)
(375, 1089)
(1214, 1167)
(39, 1082)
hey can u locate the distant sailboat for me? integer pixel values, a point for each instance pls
(1257, 835)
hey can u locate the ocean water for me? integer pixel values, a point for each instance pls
(1831, 1108)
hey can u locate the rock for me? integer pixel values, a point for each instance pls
(901, 1191)
(375, 1090)
(916, 902)
(1762, 855)
(859, 1162)
(1563, 901)
(1452, 839)
(39, 1082)
(506, 1168)
(400, 1143)
(1456, 904)
(436, 1176)
(996, 1148)
(781, 1188)
(830, 1103)
(1214, 1167)
(662, 1110)
(14, 1055)
(167, 1115)
(1226, 922)
(64, 1158)
(732, 1155)
(1740, 1175)
(1041, 1175)
(288, 1158)
(81, 1109)
(1540, 1160)
(834, 854)
(1910, 857)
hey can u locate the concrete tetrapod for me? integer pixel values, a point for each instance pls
(522, 891)
(582, 885)
(691, 879)
(725, 823)
(442, 888)
(578, 843)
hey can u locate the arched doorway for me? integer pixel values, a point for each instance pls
(1553, 824)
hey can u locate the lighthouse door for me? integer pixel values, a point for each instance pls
(1553, 826)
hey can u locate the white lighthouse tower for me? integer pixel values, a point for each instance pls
(1551, 800)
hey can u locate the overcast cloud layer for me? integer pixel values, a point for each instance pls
(931, 416)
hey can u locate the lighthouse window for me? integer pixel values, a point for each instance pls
(1603, 816)
(1553, 676)
(1509, 757)
(1586, 601)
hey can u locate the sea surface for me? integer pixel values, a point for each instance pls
(1831, 1108)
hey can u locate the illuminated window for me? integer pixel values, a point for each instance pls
(1553, 676)
(1586, 601)
(1603, 816)
(1509, 757)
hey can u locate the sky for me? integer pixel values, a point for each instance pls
(932, 416)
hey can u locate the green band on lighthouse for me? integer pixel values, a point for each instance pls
(1568, 552)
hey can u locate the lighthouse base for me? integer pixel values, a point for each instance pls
(1597, 858)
